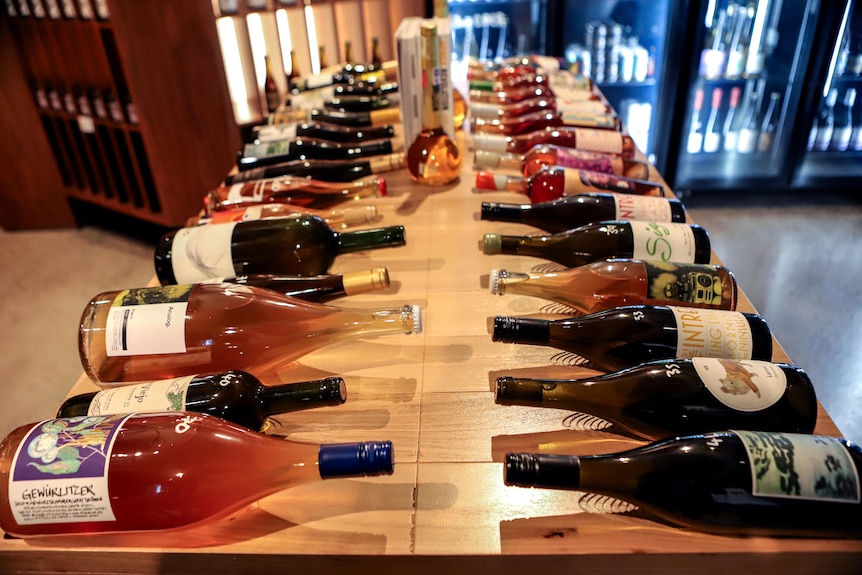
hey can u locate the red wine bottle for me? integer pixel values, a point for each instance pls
(727, 482)
(156, 471)
(235, 396)
(326, 170)
(678, 242)
(668, 397)
(625, 336)
(297, 245)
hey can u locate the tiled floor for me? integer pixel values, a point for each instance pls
(799, 263)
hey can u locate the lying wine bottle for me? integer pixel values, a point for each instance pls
(327, 170)
(164, 332)
(727, 482)
(156, 471)
(623, 337)
(678, 242)
(678, 396)
(553, 182)
(296, 245)
(321, 288)
(235, 396)
(255, 156)
(293, 190)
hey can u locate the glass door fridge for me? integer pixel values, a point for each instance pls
(743, 90)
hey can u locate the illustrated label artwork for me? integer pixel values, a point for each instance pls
(202, 252)
(800, 466)
(693, 283)
(748, 385)
(164, 395)
(712, 333)
(663, 241)
(60, 472)
(147, 321)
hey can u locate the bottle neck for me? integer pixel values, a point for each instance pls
(497, 212)
(542, 470)
(521, 330)
(306, 395)
(392, 236)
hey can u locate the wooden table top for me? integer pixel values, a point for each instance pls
(446, 505)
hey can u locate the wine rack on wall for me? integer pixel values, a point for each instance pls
(125, 101)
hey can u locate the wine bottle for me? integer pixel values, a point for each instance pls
(737, 49)
(712, 133)
(821, 134)
(727, 482)
(295, 190)
(543, 155)
(376, 58)
(668, 397)
(730, 129)
(750, 130)
(328, 170)
(553, 182)
(298, 245)
(572, 211)
(590, 139)
(235, 396)
(164, 332)
(843, 129)
(617, 282)
(381, 117)
(510, 80)
(270, 90)
(156, 471)
(319, 130)
(320, 288)
(541, 120)
(712, 59)
(357, 104)
(433, 157)
(625, 336)
(515, 95)
(676, 242)
(302, 148)
(769, 126)
(694, 143)
(337, 219)
(490, 111)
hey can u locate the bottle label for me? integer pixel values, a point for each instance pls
(148, 321)
(594, 162)
(238, 215)
(163, 395)
(746, 385)
(692, 283)
(642, 208)
(667, 242)
(202, 252)
(578, 118)
(798, 466)
(579, 181)
(712, 333)
(606, 141)
(60, 471)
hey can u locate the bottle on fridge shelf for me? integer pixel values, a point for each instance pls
(696, 128)
(856, 132)
(337, 218)
(575, 210)
(553, 182)
(297, 190)
(726, 482)
(509, 82)
(619, 282)
(623, 337)
(357, 103)
(156, 333)
(843, 129)
(234, 396)
(298, 245)
(678, 242)
(542, 155)
(821, 132)
(714, 56)
(327, 170)
(712, 131)
(320, 288)
(157, 471)
(750, 130)
(738, 47)
(730, 129)
(304, 148)
(766, 138)
(589, 139)
(680, 396)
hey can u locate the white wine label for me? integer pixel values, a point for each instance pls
(643, 208)
(746, 385)
(606, 141)
(163, 395)
(580, 106)
(798, 466)
(246, 191)
(668, 242)
(712, 333)
(147, 321)
(578, 118)
(60, 471)
(202, 252)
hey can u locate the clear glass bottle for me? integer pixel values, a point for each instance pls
(553, 182)
(678, 396)
(617, 282)
(543, 155)
(326, 170)
(433, 158)
(590, 139)
(821, 132)
(337, 219)
(157, 471)
(541, 120)
(727, 482)
(769, 126)
(155, 333)
(694, 144)
(730, 130)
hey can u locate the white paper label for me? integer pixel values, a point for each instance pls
(746, 385)
(147, 321)
(668, 242)
(162, 395)
(712, 333)
(606, 141)
(642, 208)
(203, 252)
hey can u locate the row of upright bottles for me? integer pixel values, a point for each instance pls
(638, 301)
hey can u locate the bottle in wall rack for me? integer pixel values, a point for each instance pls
(618, 282)
(303, 192)
(590, 139)
(725, 482)
(199, 468)
(270, 89)
(298, 245)
(543, 155)
(157, 333)
(712, 130)
(234, 396)
(622, 337)
(669, 397)
(677, 242)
